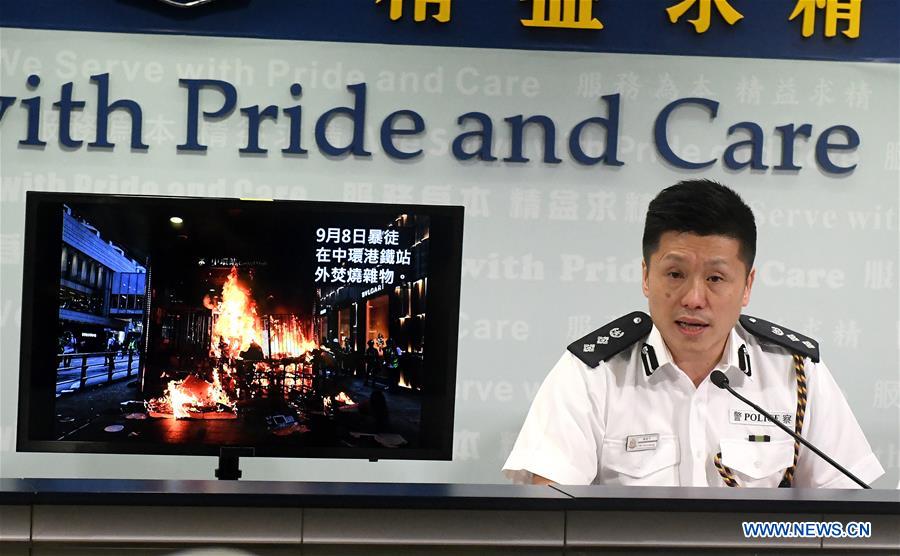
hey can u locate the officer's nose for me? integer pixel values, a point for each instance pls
(695, 295)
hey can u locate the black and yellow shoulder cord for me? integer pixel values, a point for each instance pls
(728, 475)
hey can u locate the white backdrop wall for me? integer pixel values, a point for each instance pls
(551, 251)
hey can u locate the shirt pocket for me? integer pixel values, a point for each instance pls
(757, 464)
(658, 467)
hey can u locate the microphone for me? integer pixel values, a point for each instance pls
(719, 379)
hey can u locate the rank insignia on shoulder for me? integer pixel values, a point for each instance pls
(779, 335)
(612, 338)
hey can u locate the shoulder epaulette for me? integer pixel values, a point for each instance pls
(611, 338)
(777, 334)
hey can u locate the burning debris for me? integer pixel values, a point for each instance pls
(249, 354)
(238, 331)
(236, 324)
(193, 398)
(339, 402)
(344, 399)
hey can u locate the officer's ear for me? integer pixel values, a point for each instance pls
(645, 273)
(748, 286)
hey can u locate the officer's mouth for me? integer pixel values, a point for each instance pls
(691, 327)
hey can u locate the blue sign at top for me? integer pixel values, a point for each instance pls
(849, 30)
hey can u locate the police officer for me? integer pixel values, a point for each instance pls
(632, 403)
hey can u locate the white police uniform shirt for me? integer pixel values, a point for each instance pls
(626, 423)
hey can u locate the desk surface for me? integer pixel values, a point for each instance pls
(443, 496)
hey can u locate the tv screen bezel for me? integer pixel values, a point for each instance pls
(40, 300)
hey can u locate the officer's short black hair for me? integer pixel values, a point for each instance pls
(701, 207)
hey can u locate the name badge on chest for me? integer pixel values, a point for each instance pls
(641, 442)
(750, 417)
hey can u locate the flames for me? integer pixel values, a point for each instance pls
(194, 397)
(235, 322)
(238, 333)
(286, 337)
(237, 326)
(340, 401)
(344, 399)
(180, 400)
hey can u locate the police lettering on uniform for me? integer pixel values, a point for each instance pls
(632, 402)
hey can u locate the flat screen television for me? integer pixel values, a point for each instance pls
(162, 325)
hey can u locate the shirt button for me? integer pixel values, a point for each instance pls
(698, 455)
(757, 464)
